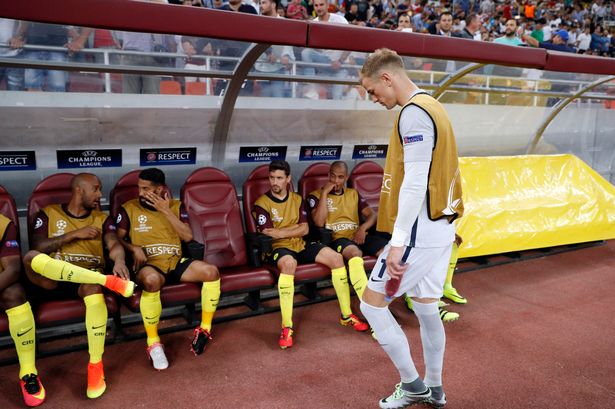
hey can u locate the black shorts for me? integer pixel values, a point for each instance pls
(64, 291)
(373, 244)
(174, 276)
(305, 256)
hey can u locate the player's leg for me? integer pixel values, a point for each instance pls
(152, 281)
(356, 269)
(425, 297)
(287, 264)
(389, 334)
(59, 270)
(339, 277)
(23, 332)
(449, 291)
(96, 329)
(197, 271)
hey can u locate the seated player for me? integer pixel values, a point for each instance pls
(449, 291)
(341, 211)
(281, 215)
(19, 313)
(68, 247)
(153, 228)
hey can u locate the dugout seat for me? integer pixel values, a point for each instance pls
(211, 201)
(55, 189)
(314, 177)
(256, 185)
(125, 189)
(366, 178)
(8, 208)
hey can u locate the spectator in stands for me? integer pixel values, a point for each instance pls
(600, 42)
(281, 215)
(529, 9)
(584, 40)
(12, 75)
(352, 15)
(559, 42)
(421, 235)
(403, 23)
(237, 5)
(296, 11)
(68, 246)
(47, 35)
(335, 58)
(341, 209)
(538, 32)
(510, 34)
(19, 313)
(153, 228)
(276, 60)
(445, 24)
(472, 28)
(143, 43)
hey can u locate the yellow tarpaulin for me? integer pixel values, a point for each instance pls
(517, 203)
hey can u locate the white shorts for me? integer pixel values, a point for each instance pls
(425, 276)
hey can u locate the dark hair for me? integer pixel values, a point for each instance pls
(154, 175)
(340, 164)
(470, 17)
(401, 15)
(279, 165)
(445, 13)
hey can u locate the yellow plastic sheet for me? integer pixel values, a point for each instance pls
(517, 203)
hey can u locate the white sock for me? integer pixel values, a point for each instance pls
(392, 339)
(433, 339)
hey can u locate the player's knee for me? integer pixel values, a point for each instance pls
(353, 251)
(336, 260)
(288, 265)
(89, 289)
(152, 282)
(209, 272)
(13, 296)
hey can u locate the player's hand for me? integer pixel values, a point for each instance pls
(394, 266)
(120, 270)
(328, 187)
(458, 240)
(86, 233)
(139, 258)
(271, 232)
(359, 236)
(162, 204)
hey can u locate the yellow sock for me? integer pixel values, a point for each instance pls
(23, 332)
(358, 278)
(452, 263)
(59, 270)
(151, 308)
(96, 325)
(286, 288)
(340, 283)
(210, 295)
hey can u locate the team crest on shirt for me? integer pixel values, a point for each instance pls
(60, 226)
(275, 216)
(386, 184)
(143, 227)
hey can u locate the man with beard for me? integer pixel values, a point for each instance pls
(510, 34)
(68, 247)
(281, 215)
(155, 227)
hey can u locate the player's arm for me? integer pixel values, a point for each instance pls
(163, 205)
(122, 225)
(116, 251)
(296, 230)
(319, 210)
(46, 244)
(10, 257)
(370, 220)
(417, 134)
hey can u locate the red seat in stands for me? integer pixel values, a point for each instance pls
(125, 189)
(256, 185)
(8, 208)
(211, 201)
(55, 189)
(314, 177)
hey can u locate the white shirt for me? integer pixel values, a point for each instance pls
(584, 41)
(413, 223)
